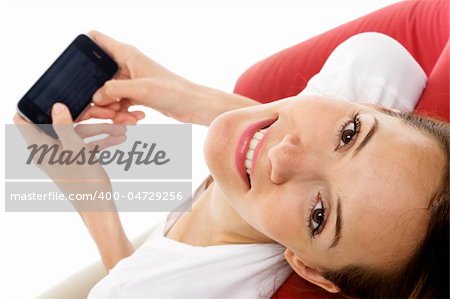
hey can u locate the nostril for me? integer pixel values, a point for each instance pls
(293, 139)
(270, 164)
(283, 157)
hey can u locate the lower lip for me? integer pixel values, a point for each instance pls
(243, 145)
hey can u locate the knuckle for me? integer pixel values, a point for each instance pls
(107, 89)
(132, 49)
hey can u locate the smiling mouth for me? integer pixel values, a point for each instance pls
(248, 149)
(257, 137)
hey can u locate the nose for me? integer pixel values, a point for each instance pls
(289, 158)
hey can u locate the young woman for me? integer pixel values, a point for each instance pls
(355, 194)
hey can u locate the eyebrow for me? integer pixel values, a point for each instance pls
(368, 136)
(338, 225)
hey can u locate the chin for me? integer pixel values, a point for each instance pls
(218, 146)
(220, 152)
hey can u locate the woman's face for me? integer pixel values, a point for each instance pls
(335, 182)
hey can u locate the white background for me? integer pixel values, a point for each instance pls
(210, 43)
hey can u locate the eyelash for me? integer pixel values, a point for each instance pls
(321, 226)
(354, 119)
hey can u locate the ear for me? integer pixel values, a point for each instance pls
(310, 274)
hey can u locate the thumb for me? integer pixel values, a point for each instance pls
(62, 123)
(61, 114)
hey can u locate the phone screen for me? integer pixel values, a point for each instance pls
(72, 79)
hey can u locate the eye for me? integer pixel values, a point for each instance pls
(317, 217)
(349, 131)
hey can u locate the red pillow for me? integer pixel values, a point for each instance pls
(421, 26)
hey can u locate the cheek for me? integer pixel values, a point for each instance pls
(278, 216)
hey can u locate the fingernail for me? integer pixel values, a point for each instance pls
(58, 108)
(96, 97)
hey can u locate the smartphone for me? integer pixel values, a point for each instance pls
(72, 79)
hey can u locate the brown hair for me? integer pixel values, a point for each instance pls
(426, 274)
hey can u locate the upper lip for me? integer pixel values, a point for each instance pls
(243, 146)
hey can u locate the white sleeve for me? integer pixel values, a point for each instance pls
(371, 68)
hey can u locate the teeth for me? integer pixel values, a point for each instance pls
(250, 154)
(258, 135)
(253, 144)
(251, 149)
(248, 163)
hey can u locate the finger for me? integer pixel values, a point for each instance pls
(62, 124)
(124, 104)
(19, 120)
(112, 90)
(125, 119)
(114, 106)
(61, 115)
(89, 130)
(138, 115)
(107, 142)
(97, 112)
(33, 136)
(128, 118)
(111, 46)
(31, 133)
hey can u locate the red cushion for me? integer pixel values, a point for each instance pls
(422, 26)
(297, 287)
(435, 98)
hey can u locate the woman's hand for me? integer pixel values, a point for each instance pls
(100, 217)
(70, 141)
(142, 81)
(117, 112)
(139, 81)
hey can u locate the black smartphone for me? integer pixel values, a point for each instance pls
(72, 79)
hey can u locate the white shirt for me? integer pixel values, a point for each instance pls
(164, 268)
(372, 68)
(368, 67)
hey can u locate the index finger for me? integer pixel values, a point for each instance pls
(111, 46)
(30, 132)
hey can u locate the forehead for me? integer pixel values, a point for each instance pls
(392, 181)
